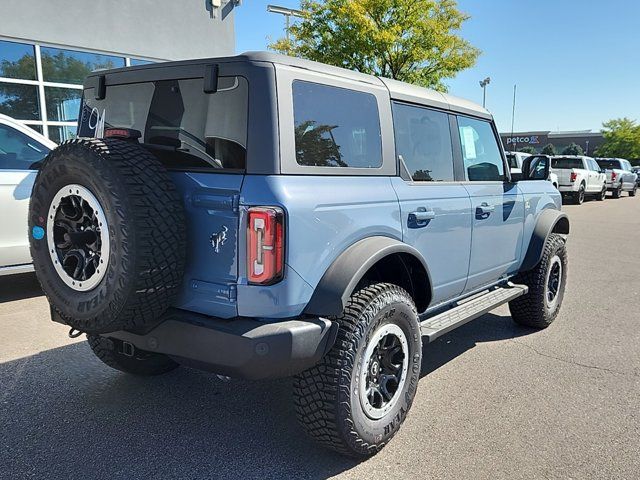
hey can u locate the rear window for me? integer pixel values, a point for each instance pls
(335, 127)
(609, 164)
(184, 127)
(566, 163)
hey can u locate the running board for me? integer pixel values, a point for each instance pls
(469, 309)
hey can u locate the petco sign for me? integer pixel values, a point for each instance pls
(532, 140)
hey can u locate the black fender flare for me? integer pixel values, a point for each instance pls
(343, 275)
(549, 221)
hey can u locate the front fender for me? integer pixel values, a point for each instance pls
(549, 221)
(341, 278)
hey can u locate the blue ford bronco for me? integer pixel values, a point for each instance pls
(260, 216)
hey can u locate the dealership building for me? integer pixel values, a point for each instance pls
(586, 139)
(47, 47)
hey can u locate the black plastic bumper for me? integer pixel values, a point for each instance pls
(245, 348)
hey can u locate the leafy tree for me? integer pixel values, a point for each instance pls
(573, 149)
(549, 149)
(621, 139)
(415, 41)
(528, 149)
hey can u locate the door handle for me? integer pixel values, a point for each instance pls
(421, 217)
(484, 210)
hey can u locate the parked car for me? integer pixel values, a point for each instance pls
(21, 151)
(579, 176)
(262, 216)
(620, 176)
(515, 160)
(636, 170)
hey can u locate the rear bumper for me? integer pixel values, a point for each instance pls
(568, 188)
(245, 348)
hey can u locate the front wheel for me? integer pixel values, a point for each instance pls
(356, 398)
(546, 282)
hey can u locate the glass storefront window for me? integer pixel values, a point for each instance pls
(139, 61)
(37, 128)
(19, 101)
(17, 60)
(63, 104)
(61, 133)
(69, 66)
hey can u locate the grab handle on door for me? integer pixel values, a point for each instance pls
(421, 217)
(484, 210)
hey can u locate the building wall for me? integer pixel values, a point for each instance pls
(589, 141)
(154, 29)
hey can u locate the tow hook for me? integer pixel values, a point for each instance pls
(73, 333)
(128, 349)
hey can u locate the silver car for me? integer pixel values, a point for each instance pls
(21, 150)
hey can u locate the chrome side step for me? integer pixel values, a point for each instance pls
(469, 309)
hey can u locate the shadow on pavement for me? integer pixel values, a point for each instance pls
(19, 287)
(66, 415)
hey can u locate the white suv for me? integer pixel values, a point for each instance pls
(21, 149)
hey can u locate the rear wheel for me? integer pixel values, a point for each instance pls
(603, 194)
(546, 282)
(617, 192)
(578, 197)
(632, 193)
(128, 359)
(356, 398)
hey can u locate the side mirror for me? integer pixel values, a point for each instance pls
(536, 167)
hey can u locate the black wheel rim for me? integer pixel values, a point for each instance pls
(554, 281)
(581, 195)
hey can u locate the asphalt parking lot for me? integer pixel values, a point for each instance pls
(495, 401)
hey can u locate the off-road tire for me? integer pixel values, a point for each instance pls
(617, 193)
(326, 396)
(532, 309)
(602, 195)
(146, 231)
(578, 197)
(140, 363)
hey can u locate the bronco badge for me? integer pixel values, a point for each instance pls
(217, 239)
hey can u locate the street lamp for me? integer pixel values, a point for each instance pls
(483, 84)
(287, 12)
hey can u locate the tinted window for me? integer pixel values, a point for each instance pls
(17, 60)
(178, 122)
(335, 127)
(19, 101)
(68, 66)
(480, 150)
(19, 151)
(565, 162)
(423, 142)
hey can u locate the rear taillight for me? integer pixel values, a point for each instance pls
(614, 175)
(265, 245)
(574, 175)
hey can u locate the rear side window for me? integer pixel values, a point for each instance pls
(480, 150)
(335, 127)
(184, 127)
(423, 142)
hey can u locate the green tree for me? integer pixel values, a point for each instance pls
(414, 41)
(621, 139)
(573, 149)
(549, 149)
(528, 149)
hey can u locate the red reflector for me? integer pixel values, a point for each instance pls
(614, 175)
(121, 133)
(574, 175)
(265, 245)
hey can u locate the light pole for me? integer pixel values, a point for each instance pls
(288, 13)
(483, 84)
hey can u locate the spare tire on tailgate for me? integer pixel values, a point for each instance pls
(107, 233)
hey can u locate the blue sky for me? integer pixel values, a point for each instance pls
(576, 63)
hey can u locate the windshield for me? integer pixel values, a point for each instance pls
(183, 126)
(609, 164)
(564, 162)
(19, 151)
